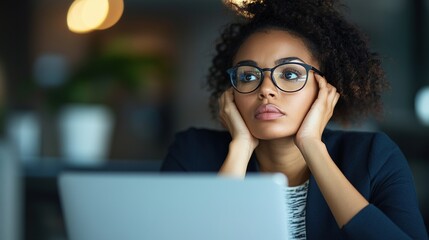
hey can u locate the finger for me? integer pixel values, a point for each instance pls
(321, 81)
(229, 105)
(332, 92)
(229, 94)
(331, 98)
(337, 97)
(222, 105)
(323, 87)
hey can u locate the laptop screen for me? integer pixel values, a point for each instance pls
(173, 206)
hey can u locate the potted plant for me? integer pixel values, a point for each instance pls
(87, 100)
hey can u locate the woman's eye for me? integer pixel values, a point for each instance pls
(248, 77)
(291, 75)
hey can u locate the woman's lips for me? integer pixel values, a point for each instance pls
(268, 112)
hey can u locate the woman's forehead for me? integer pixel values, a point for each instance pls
(269, 46)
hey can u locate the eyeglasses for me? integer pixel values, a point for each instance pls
(288, 77)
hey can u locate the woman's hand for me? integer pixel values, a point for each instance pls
(231, 119)
(341, 196)
(243, 142)
(319, 114)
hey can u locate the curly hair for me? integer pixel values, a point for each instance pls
(340, 47)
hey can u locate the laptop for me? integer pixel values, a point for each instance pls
(156, 206)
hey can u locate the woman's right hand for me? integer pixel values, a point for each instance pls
(243, 142)
(231, 119)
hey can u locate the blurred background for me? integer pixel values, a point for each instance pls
(112, 99)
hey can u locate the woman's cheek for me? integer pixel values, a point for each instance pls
(245, 108)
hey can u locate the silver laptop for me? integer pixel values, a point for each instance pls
(112, 206)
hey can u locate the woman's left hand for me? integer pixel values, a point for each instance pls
(341, 196)
(319, 114)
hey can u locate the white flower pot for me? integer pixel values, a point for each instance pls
(85, 133)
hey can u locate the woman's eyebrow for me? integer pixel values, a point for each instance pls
(247, 62)
(288, 59)
(277, 62)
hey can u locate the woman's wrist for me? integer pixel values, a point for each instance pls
(240, 152)
(307, 144)
(237, 159)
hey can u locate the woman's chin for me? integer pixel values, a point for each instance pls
(272, 133)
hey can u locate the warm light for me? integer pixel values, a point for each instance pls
(236, 5)
(74, 18)
(238, 2)
(94, 12)
(88, 15)
(116, 8)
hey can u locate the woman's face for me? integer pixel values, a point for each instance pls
(270, 113)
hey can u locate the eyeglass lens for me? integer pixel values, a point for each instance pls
(288, 77)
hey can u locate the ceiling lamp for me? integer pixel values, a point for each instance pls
(116, 8)
(88, 15)
(74, 18)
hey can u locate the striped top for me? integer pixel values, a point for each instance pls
(296, 198)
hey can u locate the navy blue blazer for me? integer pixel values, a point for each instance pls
(370, 161)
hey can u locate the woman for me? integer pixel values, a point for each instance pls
(277, 79)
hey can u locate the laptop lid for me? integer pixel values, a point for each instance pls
(112, 206)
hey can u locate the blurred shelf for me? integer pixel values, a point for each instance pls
(50, 167)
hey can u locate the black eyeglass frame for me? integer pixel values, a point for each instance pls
(307, 67)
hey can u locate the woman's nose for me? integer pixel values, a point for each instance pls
(267, 88)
